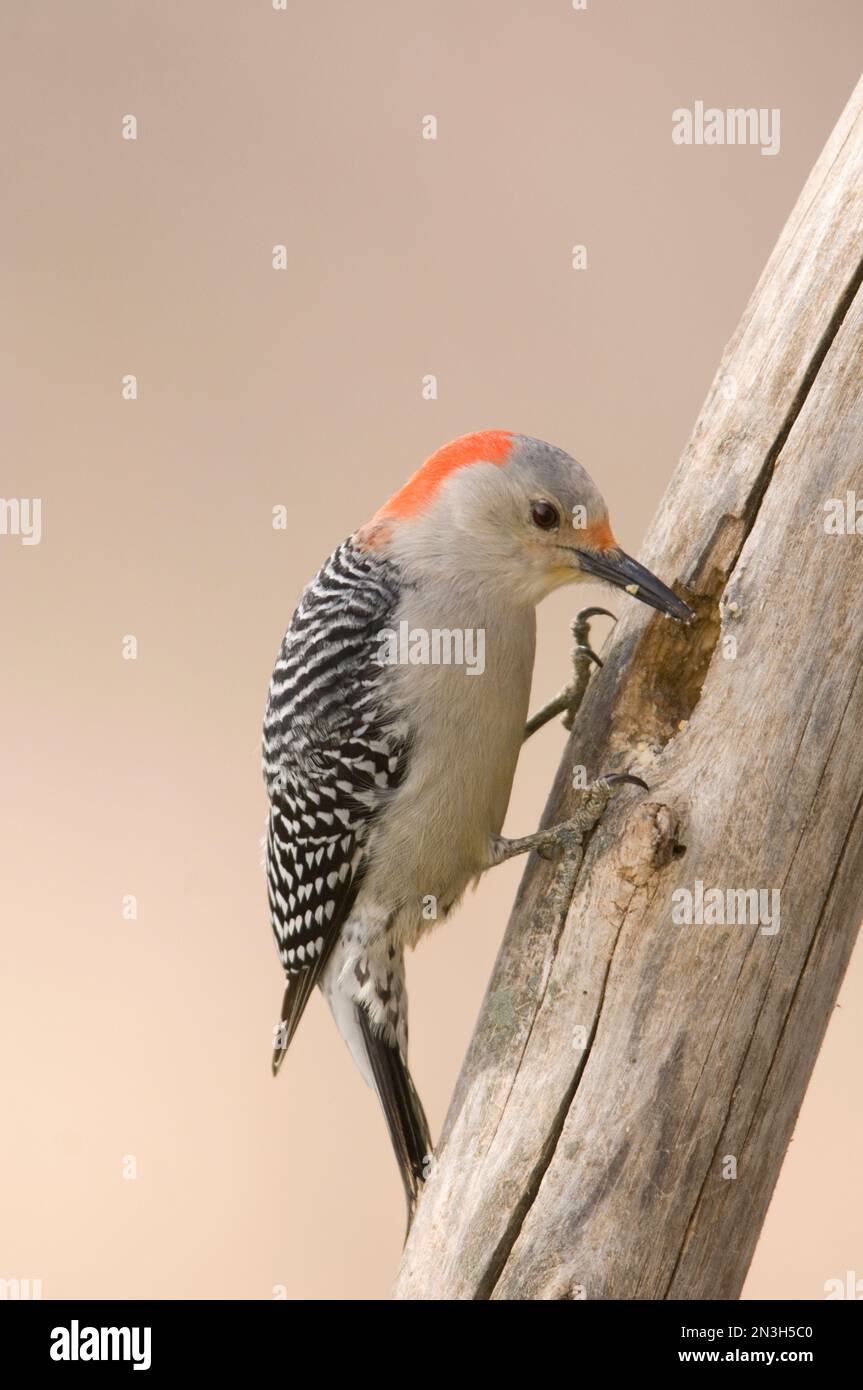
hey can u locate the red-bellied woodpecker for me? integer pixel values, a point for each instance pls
(393, 726)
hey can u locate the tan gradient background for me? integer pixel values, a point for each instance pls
(152, 1038)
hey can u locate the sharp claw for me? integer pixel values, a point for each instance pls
(582, 650)
(587, 613)
(613, 777)
(580, 629)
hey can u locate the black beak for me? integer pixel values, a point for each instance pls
(618, 568)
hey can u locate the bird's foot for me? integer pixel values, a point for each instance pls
(567, 840)
(568, 835)
(568, 702)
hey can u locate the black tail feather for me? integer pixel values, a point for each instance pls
(296, 997)
(402, 1109)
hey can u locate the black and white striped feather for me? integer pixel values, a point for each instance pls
(332, 750)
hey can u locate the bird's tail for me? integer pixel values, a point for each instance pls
(296, 997)
(402, 1108)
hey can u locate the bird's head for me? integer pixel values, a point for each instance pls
(511, 511)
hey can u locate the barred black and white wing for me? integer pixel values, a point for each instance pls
(332, 750)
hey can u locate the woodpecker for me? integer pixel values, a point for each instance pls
(388, 763)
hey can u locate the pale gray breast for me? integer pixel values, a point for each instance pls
(466, 735)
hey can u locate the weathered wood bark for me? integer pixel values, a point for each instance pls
(620, 1057)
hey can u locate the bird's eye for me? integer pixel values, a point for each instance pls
(544, 515)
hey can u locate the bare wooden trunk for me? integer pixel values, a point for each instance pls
(625, 1064)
